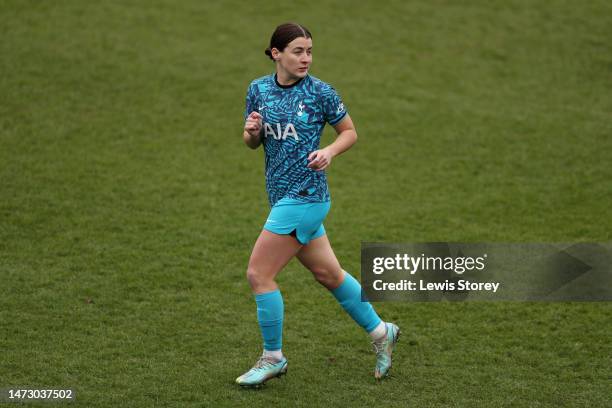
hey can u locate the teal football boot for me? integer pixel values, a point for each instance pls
(265, 369)
(384, 348)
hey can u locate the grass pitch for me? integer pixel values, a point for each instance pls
(129, 204)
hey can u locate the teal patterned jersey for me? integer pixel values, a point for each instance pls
(293, 120)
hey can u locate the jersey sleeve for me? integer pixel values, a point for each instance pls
(333, 108)
(250, 101)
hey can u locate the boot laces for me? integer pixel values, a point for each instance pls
(379, 346)
(263, 362)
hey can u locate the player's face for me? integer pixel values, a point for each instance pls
(296, 58)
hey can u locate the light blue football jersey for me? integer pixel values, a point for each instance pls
(293, 120)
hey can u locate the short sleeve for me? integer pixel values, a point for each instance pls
(250, 101)
(333, 108)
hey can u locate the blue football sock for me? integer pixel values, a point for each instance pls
(349, 296)
(270, 311)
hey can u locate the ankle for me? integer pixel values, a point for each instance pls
(275, 354)
(379, 331)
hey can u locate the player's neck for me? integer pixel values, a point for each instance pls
(285, 79)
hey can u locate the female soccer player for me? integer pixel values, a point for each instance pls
(286, 112)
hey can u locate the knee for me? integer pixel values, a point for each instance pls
(330, 278)
(257, 279)
(253, 276)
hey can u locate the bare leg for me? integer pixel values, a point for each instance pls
(270, 254)
(319, 258)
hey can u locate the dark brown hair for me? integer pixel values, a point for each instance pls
(284, 34)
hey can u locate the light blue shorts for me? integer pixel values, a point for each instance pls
(302, 220)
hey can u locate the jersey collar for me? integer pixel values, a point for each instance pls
(288, 86)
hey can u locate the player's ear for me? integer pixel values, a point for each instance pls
(275, 54)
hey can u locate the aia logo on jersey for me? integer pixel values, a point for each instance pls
(280, 134)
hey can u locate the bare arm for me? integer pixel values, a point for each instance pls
(347, 136)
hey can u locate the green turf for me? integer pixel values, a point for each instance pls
(129, 204)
